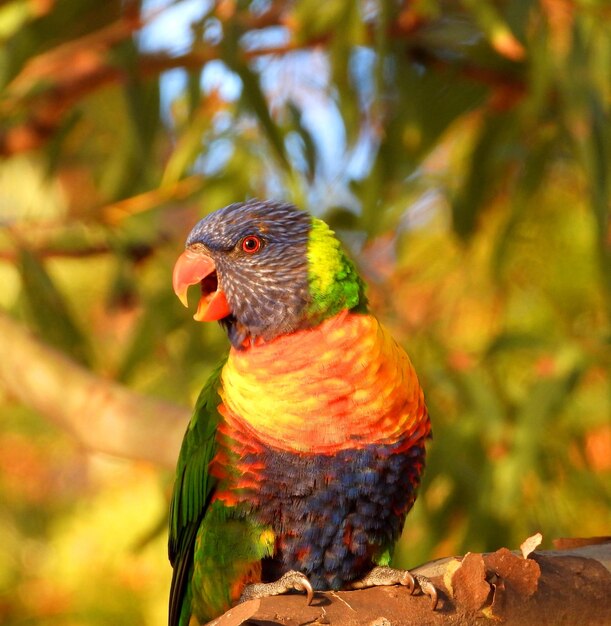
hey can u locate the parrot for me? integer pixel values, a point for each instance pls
(306, 446)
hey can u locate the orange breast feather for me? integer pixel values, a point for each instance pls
(345, 384)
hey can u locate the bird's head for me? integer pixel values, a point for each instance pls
(266, 269)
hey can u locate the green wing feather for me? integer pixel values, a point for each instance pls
(192, 490)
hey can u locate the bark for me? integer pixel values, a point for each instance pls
(102, 415)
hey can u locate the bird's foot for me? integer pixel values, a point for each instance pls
(288, 582)
(382, 576)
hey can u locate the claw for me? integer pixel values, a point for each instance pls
(306, 586)
(408, 581)
(287, 582)
(382, 576)
(428, 589)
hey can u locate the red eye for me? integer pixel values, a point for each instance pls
(251, 244)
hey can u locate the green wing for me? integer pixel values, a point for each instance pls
(192, 490)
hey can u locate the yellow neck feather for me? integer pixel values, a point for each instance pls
(344, 384)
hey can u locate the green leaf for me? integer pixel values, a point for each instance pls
(496, 29)
(514, 341)
(309, 146)
(254, 98)
(252, 95)
(531, 176)
(188, 148)
(49, 311)
(483, 173)
(536, 417)
(151, 330)
(13, 16)
(318, 18)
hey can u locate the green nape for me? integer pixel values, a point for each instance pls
(334, 282)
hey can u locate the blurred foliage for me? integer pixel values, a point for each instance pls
(461, 150)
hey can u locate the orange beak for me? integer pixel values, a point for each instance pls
(195, 267)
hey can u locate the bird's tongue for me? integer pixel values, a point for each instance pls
(212, 306)
(192, 268)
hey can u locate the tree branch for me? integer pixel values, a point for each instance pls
(103, 416)
(77, 68)
(547, 588)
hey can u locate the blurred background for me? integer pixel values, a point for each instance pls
(460, 149)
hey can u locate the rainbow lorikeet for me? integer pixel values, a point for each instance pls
(306, 447)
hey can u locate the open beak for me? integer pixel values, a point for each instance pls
(195, 267)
